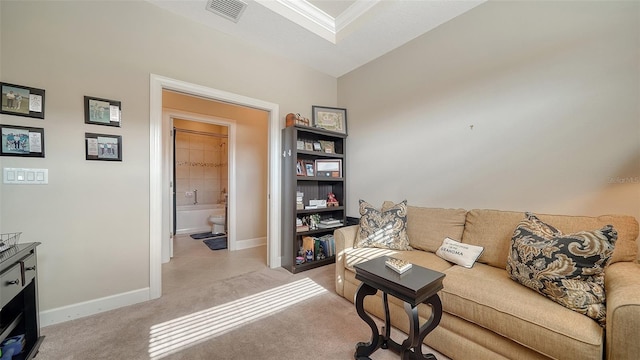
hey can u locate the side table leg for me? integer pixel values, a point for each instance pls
(364, 349)
(417, 333)
(387, 322)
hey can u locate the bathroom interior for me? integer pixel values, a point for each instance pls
(201, 178)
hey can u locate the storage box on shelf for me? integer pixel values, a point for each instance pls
(313, 195)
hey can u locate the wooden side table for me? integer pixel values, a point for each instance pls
(416, 286)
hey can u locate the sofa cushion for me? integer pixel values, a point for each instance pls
(493, 229)
(486, 296)
(426, 227)
(459, 253)
(569, 269)
(383, 228)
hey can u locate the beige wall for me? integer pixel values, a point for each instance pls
(93, 217)
(550, 88)
(251, 157)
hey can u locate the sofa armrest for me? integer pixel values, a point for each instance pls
(622, 286)
(344, 239)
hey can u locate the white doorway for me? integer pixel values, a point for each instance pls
(158, 131)
(170, 118)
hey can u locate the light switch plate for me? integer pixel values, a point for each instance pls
(25, 176)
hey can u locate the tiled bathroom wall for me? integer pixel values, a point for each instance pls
(201, 164)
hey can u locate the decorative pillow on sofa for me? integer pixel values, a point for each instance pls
(459, 253)
(568, 269)
(383, 229)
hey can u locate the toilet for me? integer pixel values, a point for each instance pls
(218, 224)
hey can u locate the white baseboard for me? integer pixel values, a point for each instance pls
(92, 307)
(193, 230)
(250, 243)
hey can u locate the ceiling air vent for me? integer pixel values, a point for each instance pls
(230, 9)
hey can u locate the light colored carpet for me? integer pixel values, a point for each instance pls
(265, 314)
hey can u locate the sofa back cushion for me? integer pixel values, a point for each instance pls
(493, 229)
(428, 227)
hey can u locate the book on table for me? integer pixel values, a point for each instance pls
(397, 265)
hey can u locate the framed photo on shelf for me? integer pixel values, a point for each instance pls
(317, 146)
(308, 146)
(103, 147)
(22, 100)
(300, 170)
(102, 111)
(309, 168)
(22, 141)
(328, 118)
(329, 168)
(328, 146)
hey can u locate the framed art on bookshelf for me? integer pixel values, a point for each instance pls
(330, 118)
(329, 168)
(300, 170)
(309, 168)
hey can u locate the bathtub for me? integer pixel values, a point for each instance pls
(195, 218)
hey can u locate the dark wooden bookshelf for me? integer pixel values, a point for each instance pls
(314, 188)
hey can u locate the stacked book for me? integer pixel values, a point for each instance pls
(299, 202)
(329, 223)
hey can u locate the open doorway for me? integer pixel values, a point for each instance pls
(159, 180)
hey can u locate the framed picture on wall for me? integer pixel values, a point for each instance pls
(22, 100)
(329, 118)
(22, 141)
(103, 147)
(99, 111)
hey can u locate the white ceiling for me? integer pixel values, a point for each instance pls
(332, 36)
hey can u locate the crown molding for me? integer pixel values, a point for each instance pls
(305, 15)
(353, 12)
(315, 20)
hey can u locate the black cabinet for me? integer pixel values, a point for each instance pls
(19, 297)
(313, 174)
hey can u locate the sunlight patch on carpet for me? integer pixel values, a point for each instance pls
(175, 335)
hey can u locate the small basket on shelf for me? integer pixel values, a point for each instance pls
(9, 240)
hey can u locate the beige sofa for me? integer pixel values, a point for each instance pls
(486, 315)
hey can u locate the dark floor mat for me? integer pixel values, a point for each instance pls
(218, 243)
(205, 235)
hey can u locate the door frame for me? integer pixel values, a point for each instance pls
(156, 189)
(168, 116)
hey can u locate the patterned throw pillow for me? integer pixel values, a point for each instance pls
(569, 269)
(383, 229)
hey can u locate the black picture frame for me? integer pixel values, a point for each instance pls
(29, 141)
(98, 111)
(22, 100)
(103, 147)
(330, 118)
